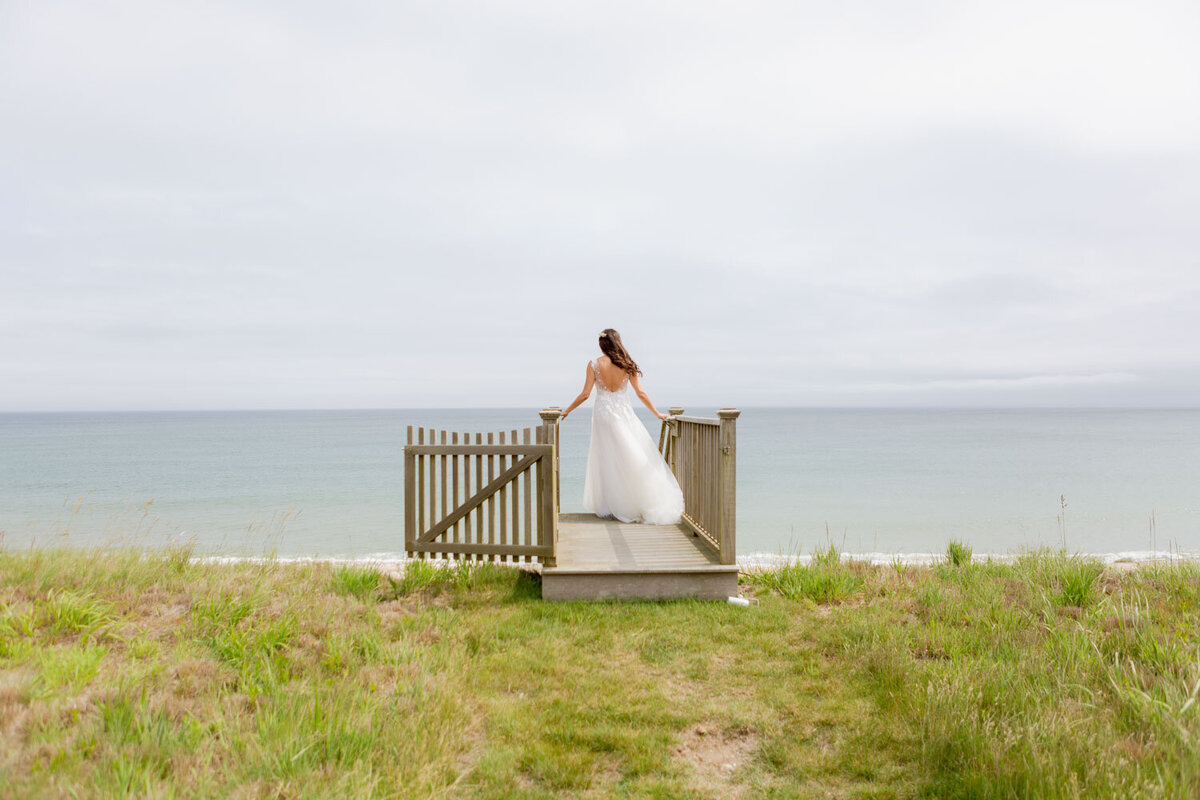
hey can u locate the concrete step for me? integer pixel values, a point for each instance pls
(711, 582)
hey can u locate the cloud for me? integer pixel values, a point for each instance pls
(399, 204)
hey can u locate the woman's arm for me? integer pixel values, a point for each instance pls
(645, 398)
(588, 382)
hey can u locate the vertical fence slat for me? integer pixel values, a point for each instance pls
(709, 475)
(430, 480)
(698, 434)
(691, 452)
(433, 485)
(697, 464)
(702, 458)
(503, 502)
(698, 461)
(421, 487)
(527, 509)
(442, 483)
(540, 485)
(410, 510)
(516, 504)
(685, 473)
(708, 463)
(686, 478)
(468, 535)
(479, 528)
(491, 501)
(456, 532)
(714, 470)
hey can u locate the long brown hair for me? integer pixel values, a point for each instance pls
(610, 345)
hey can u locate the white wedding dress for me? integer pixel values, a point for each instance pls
(626, 476)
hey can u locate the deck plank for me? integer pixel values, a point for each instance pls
(586, 542)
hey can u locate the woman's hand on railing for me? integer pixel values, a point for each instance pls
(663, 417)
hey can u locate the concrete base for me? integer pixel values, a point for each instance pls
(706, 584)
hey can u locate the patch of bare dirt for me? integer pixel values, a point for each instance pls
(200, 676)
(392, 611)
(159, 608)
(1131, 749)
(679, 690)
(379, 677)
(14, 711)
(715, 755)
(1122, 622)
(470, 755)
(10, 692)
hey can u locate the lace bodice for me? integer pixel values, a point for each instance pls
(600, 387)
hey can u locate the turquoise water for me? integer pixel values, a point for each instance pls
(329, 483)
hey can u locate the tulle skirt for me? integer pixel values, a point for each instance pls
(626, 476)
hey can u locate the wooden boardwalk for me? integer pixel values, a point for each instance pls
(605, 559)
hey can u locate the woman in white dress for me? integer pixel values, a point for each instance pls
(626, 476)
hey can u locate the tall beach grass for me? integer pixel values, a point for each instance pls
(131, 673)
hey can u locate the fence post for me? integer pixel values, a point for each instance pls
(728, 482)
(673, 433)
(549, 489)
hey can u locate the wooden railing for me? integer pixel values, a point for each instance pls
(493, 499)
(702, 453)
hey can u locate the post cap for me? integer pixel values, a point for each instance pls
(551, 413)
(675, 410)
(728, 413)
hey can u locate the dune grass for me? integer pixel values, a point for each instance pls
(958, 554)
(135, 674)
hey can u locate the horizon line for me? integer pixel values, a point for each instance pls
(279, 409)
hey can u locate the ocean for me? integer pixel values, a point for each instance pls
(877, 483)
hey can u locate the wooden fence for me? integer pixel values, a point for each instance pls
(702, 453)
(494, 498)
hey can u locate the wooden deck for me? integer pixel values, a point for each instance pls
(609, 560)
(495, 494)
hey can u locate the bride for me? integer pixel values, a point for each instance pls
(626, 477)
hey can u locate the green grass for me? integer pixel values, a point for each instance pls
(360, 582)
(70, 667)
(826, 579)
(958, 554)
(1077, 579)
(134, 674)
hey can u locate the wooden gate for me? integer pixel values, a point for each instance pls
(494, 498)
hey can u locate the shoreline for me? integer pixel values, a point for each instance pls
(751, 561)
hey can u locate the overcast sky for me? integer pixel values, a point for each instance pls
(324, 205)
